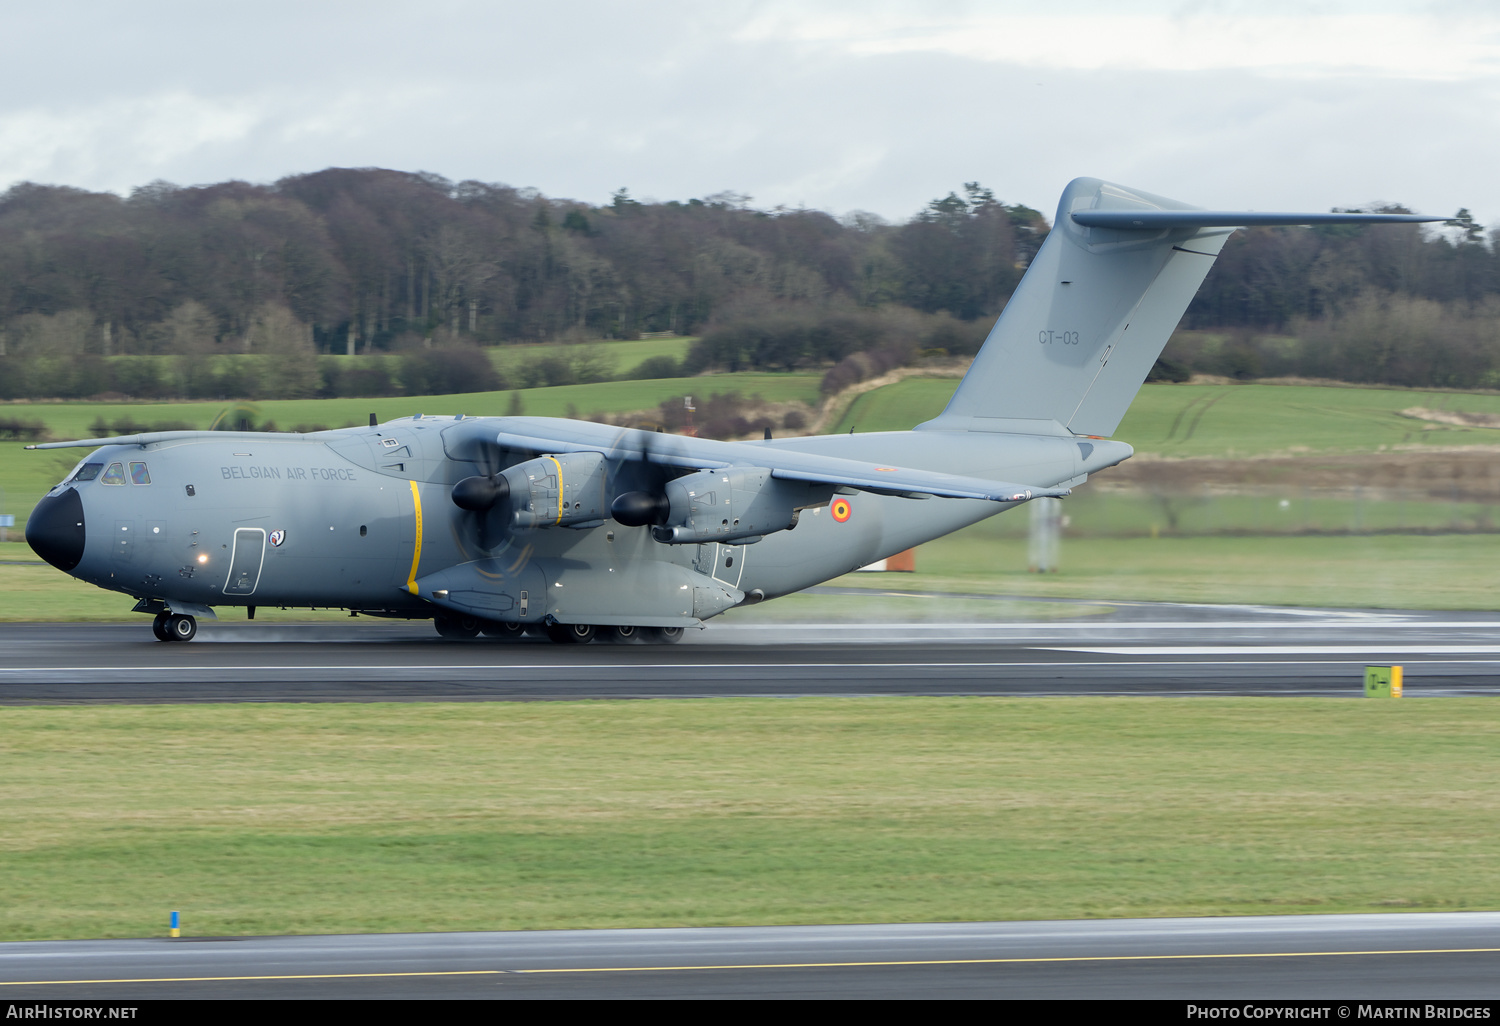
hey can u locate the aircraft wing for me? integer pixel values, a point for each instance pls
(544, 435)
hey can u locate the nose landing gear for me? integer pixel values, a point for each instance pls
(174, 627)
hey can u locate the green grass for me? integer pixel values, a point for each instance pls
(1362, 571)
(509, 360)
(898, 407)
(272, 819)
(1242, 420)
(622, 357)
(1253, 420)
(1265, 510)
(72, 420)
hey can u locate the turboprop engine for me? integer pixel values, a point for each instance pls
(738, 505)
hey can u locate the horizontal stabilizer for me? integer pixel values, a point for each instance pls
(1161, 220)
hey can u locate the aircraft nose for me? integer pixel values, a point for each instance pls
(55, 529)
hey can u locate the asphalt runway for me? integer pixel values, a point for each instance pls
(1138, 648)
(1421, 956)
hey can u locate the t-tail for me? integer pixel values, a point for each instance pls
(1096, 307)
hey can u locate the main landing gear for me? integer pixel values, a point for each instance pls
(583, 633)
(463, 627)
(174, 627)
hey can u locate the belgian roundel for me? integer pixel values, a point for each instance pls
(841, 510)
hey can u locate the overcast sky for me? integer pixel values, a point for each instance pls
(837, 106)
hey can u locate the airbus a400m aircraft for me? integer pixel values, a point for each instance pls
(500, 524)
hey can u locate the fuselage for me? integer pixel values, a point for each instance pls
(362, 518)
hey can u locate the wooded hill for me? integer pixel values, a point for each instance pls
(362, 261)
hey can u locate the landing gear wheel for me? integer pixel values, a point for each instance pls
(622, 635)
(457, 626)
(182, 628)
(159, 627)
(571, 633)
(663, 635)
(504, 631)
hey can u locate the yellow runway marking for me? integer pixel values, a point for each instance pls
(774, 965)
(1010, 961)
(224, 979)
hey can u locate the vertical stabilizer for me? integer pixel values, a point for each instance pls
(1088, 320)
(1096, 307)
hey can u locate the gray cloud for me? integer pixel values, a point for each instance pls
(673, 102)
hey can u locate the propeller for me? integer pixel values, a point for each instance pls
(637, 508)
(484, 498)
(640, 509)
(482, 493)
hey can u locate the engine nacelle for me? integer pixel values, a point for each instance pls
(564, 490)
(739, 504)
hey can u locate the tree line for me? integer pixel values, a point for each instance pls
(362, 262)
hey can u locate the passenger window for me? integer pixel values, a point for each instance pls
(115, 475)
(139, 474)
(87, 472)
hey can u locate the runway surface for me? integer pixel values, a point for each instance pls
(1450, 956)
(1139, 648)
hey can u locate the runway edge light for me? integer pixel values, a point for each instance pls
(1382, 682)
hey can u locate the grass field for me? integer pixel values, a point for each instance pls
(621, 357)
(1372, 571)
(1232, 421)
(272, 819)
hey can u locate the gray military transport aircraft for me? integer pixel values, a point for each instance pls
(581, 530)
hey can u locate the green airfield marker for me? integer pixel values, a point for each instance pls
(1383, 682)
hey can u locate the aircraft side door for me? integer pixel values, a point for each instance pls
(245, 561)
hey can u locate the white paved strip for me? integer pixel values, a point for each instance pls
(1394, 622)
(1368, 650)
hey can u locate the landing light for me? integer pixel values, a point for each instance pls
(203, 559)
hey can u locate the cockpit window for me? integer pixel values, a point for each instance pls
(115, 475)
(139, 474)
(86, 472)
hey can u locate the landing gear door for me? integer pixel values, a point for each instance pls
(245, 561)
(730, 567)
